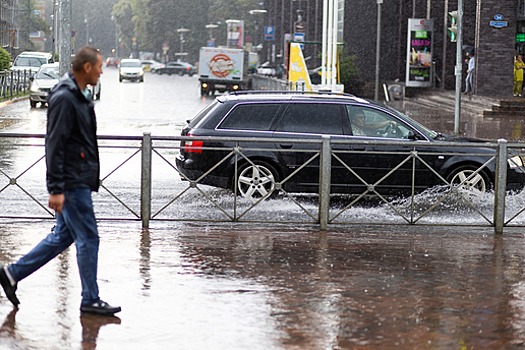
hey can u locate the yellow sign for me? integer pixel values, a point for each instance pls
(298, 74)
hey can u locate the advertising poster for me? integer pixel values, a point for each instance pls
(419, 70)
(235, 33)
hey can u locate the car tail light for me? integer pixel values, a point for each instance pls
(192, 146)
(188, 68)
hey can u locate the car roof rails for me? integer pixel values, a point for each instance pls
(289, 92)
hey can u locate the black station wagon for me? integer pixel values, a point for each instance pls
(270, 122)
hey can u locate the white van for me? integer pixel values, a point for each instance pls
(31, 61)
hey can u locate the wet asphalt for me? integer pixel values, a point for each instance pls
(233, 286)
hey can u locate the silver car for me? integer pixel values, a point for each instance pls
(42, 82)
(131, 69)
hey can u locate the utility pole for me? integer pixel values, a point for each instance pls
(64, 22)
(459, 64)
(378, 50)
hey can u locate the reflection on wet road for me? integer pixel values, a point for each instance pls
(232, 287)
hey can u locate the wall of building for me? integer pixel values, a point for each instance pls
(495, 48)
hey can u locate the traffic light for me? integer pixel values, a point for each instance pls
(453, 26)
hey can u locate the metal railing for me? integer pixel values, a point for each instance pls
(139, 181)
(14, 83)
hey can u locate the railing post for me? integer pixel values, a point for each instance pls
(145, 185)
(500, 186)
(325, 174)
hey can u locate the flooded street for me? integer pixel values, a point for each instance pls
(191, 286)
(185, 285)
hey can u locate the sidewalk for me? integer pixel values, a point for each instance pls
(480, 117)
(229, 287)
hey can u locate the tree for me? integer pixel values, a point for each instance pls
(30, 22)
(349, 73)
(5, 59)
(123, 13)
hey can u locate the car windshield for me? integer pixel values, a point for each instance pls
(29, 61)
(47, 73)
(130, 64)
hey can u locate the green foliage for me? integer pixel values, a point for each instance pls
(155, 22)
(349, 73)
(5, 59)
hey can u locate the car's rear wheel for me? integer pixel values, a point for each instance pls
(467, 177)
(256, 180)
(32, 103)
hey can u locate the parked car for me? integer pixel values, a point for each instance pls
(31, 61)
(130, 69)
(112, 61)
(343, 117)
(180, 68)
(41, 83)
(151, 65)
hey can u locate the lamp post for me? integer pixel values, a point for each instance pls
(257, 34)
(86, 22)
(116, 36)
(181, 32)
(210, 28)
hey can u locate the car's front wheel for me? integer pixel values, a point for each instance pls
(468, 178)
(256, 180)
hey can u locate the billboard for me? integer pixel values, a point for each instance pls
(235, 33)
(419, 70)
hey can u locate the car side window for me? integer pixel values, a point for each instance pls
(250, 117)
(374, 123)
(312, 118)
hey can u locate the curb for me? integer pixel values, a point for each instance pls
(16, 99)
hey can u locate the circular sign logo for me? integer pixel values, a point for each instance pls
(221, 65)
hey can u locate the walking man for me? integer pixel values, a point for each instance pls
(73, 170)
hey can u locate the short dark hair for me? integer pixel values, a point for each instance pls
(83, 55)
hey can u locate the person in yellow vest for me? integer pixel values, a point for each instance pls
(518, 75)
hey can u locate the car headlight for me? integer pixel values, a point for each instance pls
(515, 162)
(34, 87)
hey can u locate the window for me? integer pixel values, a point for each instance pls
(371, 122)
(312, 118)
(251, 117)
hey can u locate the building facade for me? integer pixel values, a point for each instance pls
(8, 29)
(490, 27)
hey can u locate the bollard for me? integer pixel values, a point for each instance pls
(500, 186)
(325, 174)
(145, 185)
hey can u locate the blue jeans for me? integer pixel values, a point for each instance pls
(77, 224)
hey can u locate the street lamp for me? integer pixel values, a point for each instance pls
(258, 12)
(210, 28)
(86, 22)
(181, 32)
(116, 35)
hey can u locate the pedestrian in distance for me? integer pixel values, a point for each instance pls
(471, 65)
(73, 170)
(518, 75)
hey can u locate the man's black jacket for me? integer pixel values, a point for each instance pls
(72, 157)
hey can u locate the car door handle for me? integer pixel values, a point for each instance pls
(358, 148)
(286, 145)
